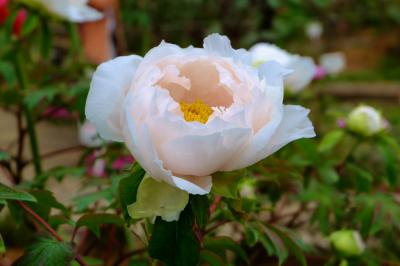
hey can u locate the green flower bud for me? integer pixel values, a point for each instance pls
(156, 198)
(347, 243)
(365, 120)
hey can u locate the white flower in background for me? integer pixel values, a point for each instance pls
(365, 120)
(88, 136)
(186, 113)
(303, 67)
(77, 11)
(314, 30)
(333, 63)
(347, 242)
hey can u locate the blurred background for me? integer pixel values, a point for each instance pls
(356, 43)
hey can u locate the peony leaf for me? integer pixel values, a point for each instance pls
(226, 183)
(174, 243)
(2, 246)
(222, 243)
(155, 198)
(95, 221)
(330, 140)
(47, 252)
(200, 207)
(128, 189)
(7, 193)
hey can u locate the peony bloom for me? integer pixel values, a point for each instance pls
(72, 10)
(333, 63)
(365, 120)
(186, 113)
(303, 67)
(347, 242)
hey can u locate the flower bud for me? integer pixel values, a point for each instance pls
(347, 242)
(333, 63)
(19, 22)
(365, 120)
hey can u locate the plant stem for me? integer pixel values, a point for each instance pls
(28, 115)
(49, 229)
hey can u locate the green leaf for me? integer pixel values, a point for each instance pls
(4, 156)
(95, 221)
(2, 246)
(90, 261)
(174, 243)
(274, 244)
(84, 201)
(47, 252)
(221, 244)
(33, 98)
(328, 174)
(58, 173)
(290, 244)
(330, 140)
(211, 258)
(128, 189)
(7, 72)
(226, 183)
(200, 207)
(7, 193)
(390, 163)
(45, 202)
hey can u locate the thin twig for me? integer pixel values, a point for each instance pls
(128, 255)
(49, 229)
(215, 226)
(57, 152)
(214, 205)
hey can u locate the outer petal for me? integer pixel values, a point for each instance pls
(262, 52)
(221, 45)
(109, 86)
(203, 155)
(303, 73)
(273, 73)
(293, 125)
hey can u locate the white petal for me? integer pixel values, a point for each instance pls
(263, 52)
(109, 86)
(203, 155)
(72, 10)
(221, 45)
(273, 73)
(138, 139)
(293, 125)
(303, 73)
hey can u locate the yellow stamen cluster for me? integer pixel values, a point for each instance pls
(197, 111)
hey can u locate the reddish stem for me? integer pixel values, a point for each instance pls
(50, 229)
(214, 205)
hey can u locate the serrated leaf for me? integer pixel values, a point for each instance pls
(222, 243)
(174, 243)
(330, 140)
(290, 244)
(226, 183)
(47, 252)
(211, 258)
(45, 202)
(128, 189)
(7, 193)
(82, 202)
(200, 207)
(95, 221)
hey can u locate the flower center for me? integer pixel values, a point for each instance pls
(197, 111)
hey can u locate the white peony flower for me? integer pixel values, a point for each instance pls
(333, 63)
(186, 113)
(76, 11)
(303, 67)
(365, 120)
